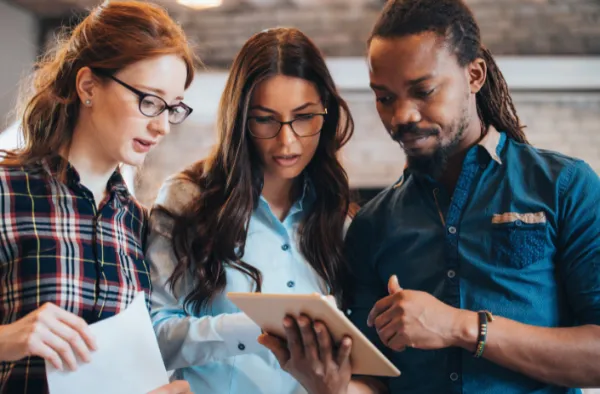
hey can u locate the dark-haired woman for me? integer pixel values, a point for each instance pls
(266, 212)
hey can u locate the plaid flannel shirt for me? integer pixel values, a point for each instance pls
(56, 246)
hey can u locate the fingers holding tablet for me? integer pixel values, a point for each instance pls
(311, 355)
(341, 356)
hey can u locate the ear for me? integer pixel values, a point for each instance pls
(477, 73)
(86, 83)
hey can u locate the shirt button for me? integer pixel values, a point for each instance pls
(451, 274)
(285, 247)
(454, 376)
(291, 284)
(452, 230)
(518, 223)
(242, 347)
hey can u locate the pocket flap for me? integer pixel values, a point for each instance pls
(511, 217)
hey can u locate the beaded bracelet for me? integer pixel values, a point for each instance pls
(484, 318)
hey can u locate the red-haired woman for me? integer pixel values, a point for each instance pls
(71, 235)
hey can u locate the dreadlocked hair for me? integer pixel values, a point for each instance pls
(454, 21)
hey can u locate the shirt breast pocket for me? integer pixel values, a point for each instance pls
(519, 240)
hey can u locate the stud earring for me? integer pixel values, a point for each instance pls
(88, 102)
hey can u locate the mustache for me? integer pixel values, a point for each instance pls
(411, 130)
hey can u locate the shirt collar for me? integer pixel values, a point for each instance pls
(55, 164)
(492, 143)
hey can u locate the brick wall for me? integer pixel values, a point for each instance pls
(565, 122)
(339, 27)
(559, 121)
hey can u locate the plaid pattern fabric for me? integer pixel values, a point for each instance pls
(55, 246)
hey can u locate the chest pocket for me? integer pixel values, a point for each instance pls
(519, 240)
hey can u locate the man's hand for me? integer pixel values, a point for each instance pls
(176, 387)
(418, 319)
(308, 356)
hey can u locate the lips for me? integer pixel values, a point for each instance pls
(145, 142)
(142, 146)
(414, 141)
(286, 160)
(412, 138)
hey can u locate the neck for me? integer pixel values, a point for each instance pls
(94, 167)
(473, 135)
(279, 194)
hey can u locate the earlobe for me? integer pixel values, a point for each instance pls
(477, 74)
(86, 84)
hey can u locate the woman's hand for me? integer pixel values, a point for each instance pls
(49, 332)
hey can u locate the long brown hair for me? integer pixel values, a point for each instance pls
(113, 36)
(211, 233)
(453, 20)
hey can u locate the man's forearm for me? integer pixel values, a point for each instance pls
(559, 356)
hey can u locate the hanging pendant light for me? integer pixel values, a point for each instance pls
(200, 4)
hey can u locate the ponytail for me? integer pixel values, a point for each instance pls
(494, 104)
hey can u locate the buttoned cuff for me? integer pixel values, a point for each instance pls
(240, 334)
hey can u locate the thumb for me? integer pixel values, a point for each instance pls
(277, 346)
(393, 285)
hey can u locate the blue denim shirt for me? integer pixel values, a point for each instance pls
(520, 237)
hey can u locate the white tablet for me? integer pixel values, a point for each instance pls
(269, 310)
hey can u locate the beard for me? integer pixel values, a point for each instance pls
(433, 164)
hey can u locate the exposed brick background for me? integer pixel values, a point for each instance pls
(340, 27)
(566, 122)
(529, 27)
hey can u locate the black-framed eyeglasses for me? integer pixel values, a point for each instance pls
(151, 105)
(304, 125)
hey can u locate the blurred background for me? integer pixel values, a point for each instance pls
(548, 50)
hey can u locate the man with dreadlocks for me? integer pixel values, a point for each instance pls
(496, 244)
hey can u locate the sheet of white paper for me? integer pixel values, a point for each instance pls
(128, 360)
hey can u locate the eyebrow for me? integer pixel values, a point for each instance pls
(378, 87)
(419, 80)
(265, 109)
(157, 91)
(411, 82)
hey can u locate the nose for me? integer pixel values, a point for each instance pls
(286, 135)
(160, 124)
(405, 112)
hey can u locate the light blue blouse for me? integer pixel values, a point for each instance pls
(217, 351)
